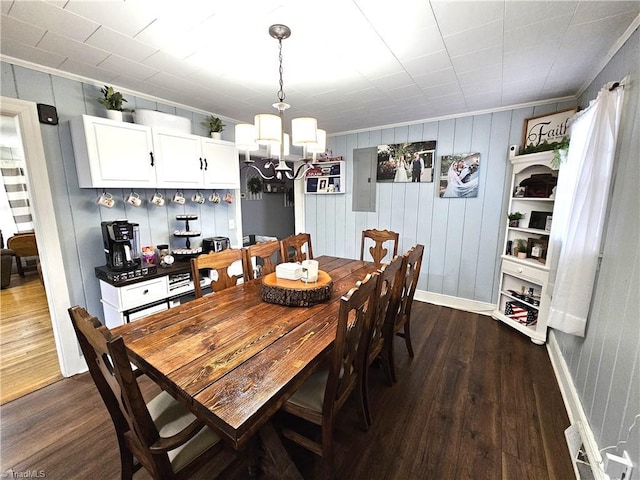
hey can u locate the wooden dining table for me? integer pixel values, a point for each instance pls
(233, 359)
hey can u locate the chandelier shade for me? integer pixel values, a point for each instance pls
(246, 137)
(275, 146)
(303, 131)
(321, 144)
(268, 129)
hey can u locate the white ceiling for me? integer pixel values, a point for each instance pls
(353, 64)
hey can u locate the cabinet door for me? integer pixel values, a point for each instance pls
(222, 169)
(179, 160)
(112, 154)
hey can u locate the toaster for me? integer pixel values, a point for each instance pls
(215, 244)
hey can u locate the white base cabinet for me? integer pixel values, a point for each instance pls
(524, 296)
(118, 302)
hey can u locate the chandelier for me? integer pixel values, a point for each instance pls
(268, 129)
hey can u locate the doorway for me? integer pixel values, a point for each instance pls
(28, 356)
(52, 273)
(268, 205)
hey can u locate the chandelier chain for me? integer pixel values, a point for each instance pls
(281, 94)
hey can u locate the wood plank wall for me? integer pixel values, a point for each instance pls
(78, 216)
(605, 365)
(463, 237)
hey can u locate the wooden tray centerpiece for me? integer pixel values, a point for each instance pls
(296, 293)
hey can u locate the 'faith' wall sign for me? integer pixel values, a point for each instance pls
(546, 130)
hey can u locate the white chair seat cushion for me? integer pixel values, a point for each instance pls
(170, 418)
(311, 393)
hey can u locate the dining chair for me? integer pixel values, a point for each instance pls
(322, 395)
(220, 262)
(267, 256)
(292, 248)
(23, 245)
(161, 435)
(388, 294)
(400, 321)
(379, 237)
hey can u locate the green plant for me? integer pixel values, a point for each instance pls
(515, 216)
(254, 185)
(112, 100)
(520, 245)
(214, 124)
(560, 153)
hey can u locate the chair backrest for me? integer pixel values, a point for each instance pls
(412, 265)
(357, 308)
(23, 244)
(267, 257)
(111, 371)
(389, 290)
(379, 237)
(220, 262)
(296, 243)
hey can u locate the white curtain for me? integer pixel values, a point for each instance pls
(581, 203)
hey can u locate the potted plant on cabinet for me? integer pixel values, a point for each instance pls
(112, 101)
(514, 218)
(215, 126)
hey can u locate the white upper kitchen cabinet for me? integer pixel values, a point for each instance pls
(221, 164)
(179, 156)
(111, 154)
(191, 161)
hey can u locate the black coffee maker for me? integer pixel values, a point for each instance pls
(121, 239)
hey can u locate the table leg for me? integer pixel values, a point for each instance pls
(275, 460)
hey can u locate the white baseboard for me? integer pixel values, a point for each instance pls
(455, 302)
(572, 403)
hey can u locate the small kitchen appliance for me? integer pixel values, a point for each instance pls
(215, 244)
(121, 245)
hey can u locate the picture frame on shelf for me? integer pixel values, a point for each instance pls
(537, 249)
(322, 185)
(538, 220)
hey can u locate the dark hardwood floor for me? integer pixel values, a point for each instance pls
(478, 401)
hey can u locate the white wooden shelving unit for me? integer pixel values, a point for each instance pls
(326, 178)
(524, 282)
